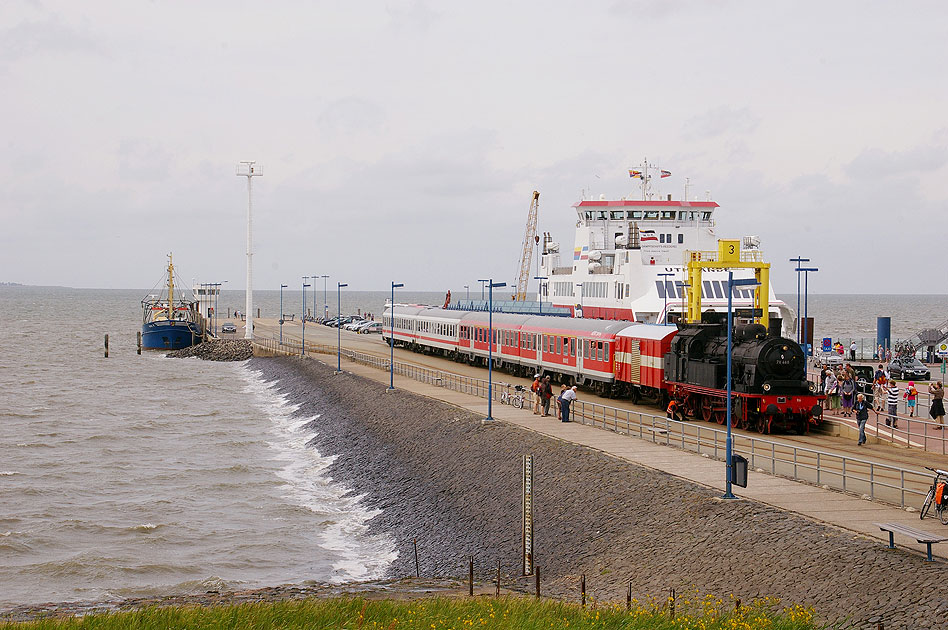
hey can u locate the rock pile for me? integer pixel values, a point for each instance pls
(217, 350)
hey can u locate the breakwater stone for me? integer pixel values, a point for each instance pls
(217, 350)
(441, 477)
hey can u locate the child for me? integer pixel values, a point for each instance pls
(911, 394)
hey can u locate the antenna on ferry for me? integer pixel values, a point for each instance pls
(687, 185)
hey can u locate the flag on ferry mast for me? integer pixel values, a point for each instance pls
(666, 173)
(637, 174)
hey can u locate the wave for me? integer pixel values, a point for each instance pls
(343, 518)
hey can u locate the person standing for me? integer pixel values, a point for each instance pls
(892, 400)
(535, 388)
(862, 416)
(847, 390)
(831, 388)
(937, 410)
(559, 402)
(568, 397)
(852, 350)
(911, 395)
(546, 392)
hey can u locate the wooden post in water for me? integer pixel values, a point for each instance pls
(497, 591)
(582, 590)
(470, 574)
(628, 597)
(139, 342)
(417, 571)
(106, 346)
(536, 578)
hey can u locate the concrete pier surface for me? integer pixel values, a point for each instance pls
(845, 511)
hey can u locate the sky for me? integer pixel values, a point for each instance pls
(401, 140)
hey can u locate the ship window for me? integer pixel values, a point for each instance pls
(668, 215)
(589, 215)
(627, 291)
(634, 214)
(668, 238)
(651, 214)
(682, 215)
(693, 216)
(706, 216)
(602, 215)
(661, 238)
(616, 215)
(681, 238)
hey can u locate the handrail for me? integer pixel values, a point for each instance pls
(877, 481)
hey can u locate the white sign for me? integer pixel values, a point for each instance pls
(942, 349)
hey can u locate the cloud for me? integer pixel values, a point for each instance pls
(878, 163)
(50, 35)
(723, 120)
(415, 14)
(349, 116)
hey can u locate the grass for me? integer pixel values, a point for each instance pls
(705, 613)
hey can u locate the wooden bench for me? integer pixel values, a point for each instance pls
(919, 535)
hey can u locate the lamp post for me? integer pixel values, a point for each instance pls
(391, 364)
(540, 280)
(490, 345)
(339, 286)
(303, 340)
(315, 315)
(665, 286)
(325, 299)
(731, 283)
(216, 295)
(483, 282)
(799, 262)
(468, 292)
(581, 306)
(806, 277)
(249, 169)
(282, 286)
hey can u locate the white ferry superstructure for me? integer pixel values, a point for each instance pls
(628, 263)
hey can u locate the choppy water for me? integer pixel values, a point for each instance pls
(139, 475)
(136, 475)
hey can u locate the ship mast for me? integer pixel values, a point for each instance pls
(170, 288)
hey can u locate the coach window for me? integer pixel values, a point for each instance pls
(559, 345)
(605, 352)
(572, 347)
(598, 351)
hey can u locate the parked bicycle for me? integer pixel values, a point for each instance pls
(937, 494)
(516, 398)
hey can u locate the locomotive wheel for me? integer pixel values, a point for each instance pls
(705, 408)
(763, 423)
(720, 416)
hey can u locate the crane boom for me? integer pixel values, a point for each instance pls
(526, 255)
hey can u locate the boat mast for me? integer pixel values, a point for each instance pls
(170, 288)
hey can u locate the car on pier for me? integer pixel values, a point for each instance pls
(906, 368)
(827, 359)
(229, 328)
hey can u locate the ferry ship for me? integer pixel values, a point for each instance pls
(629, 259)
(167, 323)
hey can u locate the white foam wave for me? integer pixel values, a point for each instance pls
(8, 473)
(363, 556)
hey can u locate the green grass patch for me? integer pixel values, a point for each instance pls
(442, 614)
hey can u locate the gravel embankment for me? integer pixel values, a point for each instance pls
(217, 350)
(442, 477)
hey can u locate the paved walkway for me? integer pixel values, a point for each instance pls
(834, 508)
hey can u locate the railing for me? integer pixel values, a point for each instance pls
(891, 484)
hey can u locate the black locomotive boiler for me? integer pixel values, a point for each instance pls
(769, 386)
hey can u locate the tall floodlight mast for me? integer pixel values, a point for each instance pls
(249, 170)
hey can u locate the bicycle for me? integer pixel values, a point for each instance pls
(941, 502)
(515, 399)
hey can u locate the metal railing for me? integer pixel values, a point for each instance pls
(883, 482)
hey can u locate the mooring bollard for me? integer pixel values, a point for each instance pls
(139, 342)
(582, 590)
(497, 589)
(258, 313)
(470, 573)
(417, 572)
(536, 578)
(106, 346)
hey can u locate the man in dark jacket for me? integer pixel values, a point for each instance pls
(862, 416)
(546, 392)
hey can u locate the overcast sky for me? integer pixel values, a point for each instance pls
(401, 140)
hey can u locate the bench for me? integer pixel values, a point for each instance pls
(919, 535)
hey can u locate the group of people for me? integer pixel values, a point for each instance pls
(840, 388)
(543, 398)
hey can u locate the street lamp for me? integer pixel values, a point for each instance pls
(490, 344)
(806, 277)
(665, 287)
(325, 299)
(540, 280)
(315, 315)
(303, 340)
(391, 365)
(483, 282)
(799, 262)
(339, 286)
(581, 296)
(216, 295)
(468, 292)
(731, 283)
(282, 286)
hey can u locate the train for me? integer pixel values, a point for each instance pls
(685, 363)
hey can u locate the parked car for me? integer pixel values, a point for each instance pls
(906, 368)
(354, 324)
(827, 359)
(229, 328)
(372, 328)
(864, 377)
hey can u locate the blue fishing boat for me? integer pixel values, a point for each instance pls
(169, 323)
